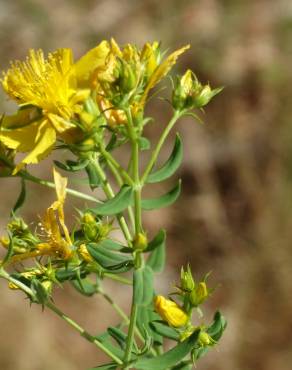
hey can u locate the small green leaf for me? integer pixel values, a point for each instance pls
(143, 286)
(166, 331)
(21, 197)
(85, 287)
(169, 358)
(117, 204)
(170, 166)
(163, 201)
(156, 260)
(94, 180)
(118, 335)
(216, 329)
(72, 166)
(105, 257)
(145, 316)
(41, 293)
(144, 143)
(105, 339)
(156, 241)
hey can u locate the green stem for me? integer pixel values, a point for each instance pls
(66, 318)
(115, 165)
(120, 182)
(161, 141)
(75, 193)
(83, 332)
(131, 331)
(110, 194)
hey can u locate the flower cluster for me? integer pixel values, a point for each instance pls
(90, 107)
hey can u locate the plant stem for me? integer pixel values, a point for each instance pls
(131, 331)
(110, 194)
(138, 228)
(111, 160)
(161, 141)
(75, 193)
(61, 314)
(83, 332)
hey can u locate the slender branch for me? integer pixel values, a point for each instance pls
(111, 160)
(161, 141)
(75, 193)
(61, 314)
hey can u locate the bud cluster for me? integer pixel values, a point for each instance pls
(189, 93)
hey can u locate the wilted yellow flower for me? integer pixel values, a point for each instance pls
(170, 311)
(54, 224)
(50, 91)
(84, 253)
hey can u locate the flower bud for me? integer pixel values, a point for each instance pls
(170, 311)
(89, 226)
(205, 339)
(199, 294)
(128, 78)
(140, 242)
(186, 280)
(205, 95)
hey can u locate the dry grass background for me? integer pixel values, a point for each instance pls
(234, 215)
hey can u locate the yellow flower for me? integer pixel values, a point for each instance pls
(50, 92)
(171, 312)
(54, 224)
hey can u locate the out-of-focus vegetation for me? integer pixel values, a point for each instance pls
(237, 174)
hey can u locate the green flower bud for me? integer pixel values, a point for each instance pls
(205, 95)
(89, 226)
(205, 339)
(128, 78)
(199, 294)
(140, 242)
(186, 280)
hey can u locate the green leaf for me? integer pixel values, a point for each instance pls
(117, 204)
(72, 166)
(170, 166)
(21, 197)
(85, 287)
(143, 286)
(105, 339)
(107, 258)
(156, 241)
(163, 201)
(156, 260)
(118, 335)
(69, 273)
(111, 366)
(144, 143)
(94, 180)
(218, 326)
(169, 358)
(166, 331)
(145, 316)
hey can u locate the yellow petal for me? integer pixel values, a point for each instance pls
(60, 124)
(87, 64)
(22, 139)
(60, 184)
(162, 71)
(22, 118)
(170, 311)
(45, 140)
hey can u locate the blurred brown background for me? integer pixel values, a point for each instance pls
(234, 215)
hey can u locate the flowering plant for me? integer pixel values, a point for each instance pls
(89, 108)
